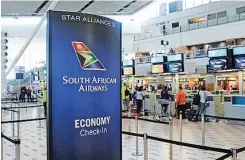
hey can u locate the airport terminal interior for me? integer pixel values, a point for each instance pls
(123, 80)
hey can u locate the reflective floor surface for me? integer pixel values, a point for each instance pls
(221, 135)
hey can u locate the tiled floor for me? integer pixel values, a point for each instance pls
(33, 139)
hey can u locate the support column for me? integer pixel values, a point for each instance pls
(133, 83)
(176, 82)
(210, 79)
(215, 82)
(161, 80)
(240, 78)
(173, 84)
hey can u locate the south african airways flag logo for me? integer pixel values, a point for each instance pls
(86, 58)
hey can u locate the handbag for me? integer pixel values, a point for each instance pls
(206, 101)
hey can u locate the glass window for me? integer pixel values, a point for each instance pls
(175, 25)
(240, 10)
(221, 14)
(212, 16)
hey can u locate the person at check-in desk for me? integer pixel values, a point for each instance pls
(44, 100)
(203, 100)
(181, 102)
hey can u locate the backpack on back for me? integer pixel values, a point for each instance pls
(196, 99)
(127, 93)
(164, 94)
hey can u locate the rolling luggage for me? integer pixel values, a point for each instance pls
(190, 114)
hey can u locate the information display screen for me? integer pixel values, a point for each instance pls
(128, 63)
(175, 57)
(157, 60)
(218, 64)
(157, 68)
(239, 51)
(217, 53)
(239, 62)
(175, 67)
(128, 71)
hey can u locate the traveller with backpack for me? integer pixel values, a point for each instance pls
(194, 112)
(140, 96)
(125, 96)
(203, 100)
(165, 97)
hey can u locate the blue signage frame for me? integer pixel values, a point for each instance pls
(101, 147)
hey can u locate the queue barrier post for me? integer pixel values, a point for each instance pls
(180, 118)
(17, 151)
(145, 147)
(170, 137)
(13, 125)
(39, 114)
(129, 128)
(136, 153)
(234, 154)
(18, 123)
(143, 108)
(203, 130)
(129, 110)
(2, 146)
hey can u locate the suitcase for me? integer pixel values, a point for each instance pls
(190, 114)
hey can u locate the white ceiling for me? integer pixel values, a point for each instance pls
(27, 8)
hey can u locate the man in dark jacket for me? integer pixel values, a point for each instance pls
(165, 96)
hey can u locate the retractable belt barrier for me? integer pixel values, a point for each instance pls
(214, 149)
(229, 152)
(34, 106)
(241, 150)
(227, 118)
(16, 142)
(144, 119)
(23, 120)
(180, 143)
(7, 109)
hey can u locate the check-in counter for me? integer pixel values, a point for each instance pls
(234, 106)
(218, 105)
(211, 109)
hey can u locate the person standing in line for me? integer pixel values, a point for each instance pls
(28, 93)
(203, 99)
(23, 93)
(181, 102)
(196, 106)
(125, 96)
(44, 100)
(165, 96)
(139, 98)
